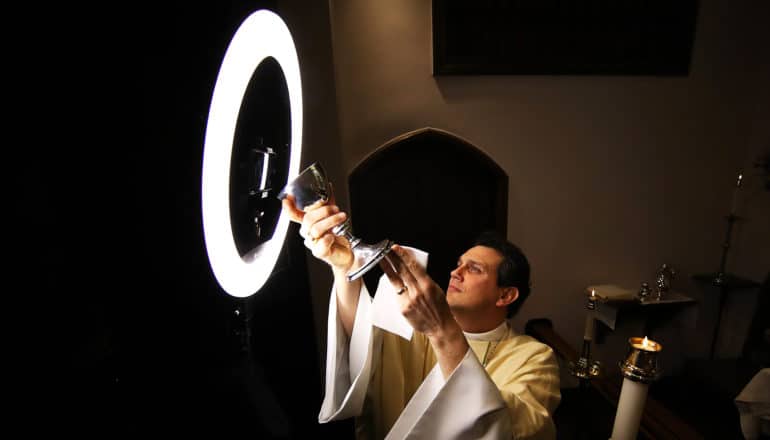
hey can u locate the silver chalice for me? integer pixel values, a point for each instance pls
(311, 189)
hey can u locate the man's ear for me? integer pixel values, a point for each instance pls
(507, 296)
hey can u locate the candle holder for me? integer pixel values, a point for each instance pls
(644, 292)
(639, 368)
(641, 363)
(663, 280)
(584, 369)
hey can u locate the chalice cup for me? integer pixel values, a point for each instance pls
(311, 189)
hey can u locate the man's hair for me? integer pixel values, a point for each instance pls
(513, 270)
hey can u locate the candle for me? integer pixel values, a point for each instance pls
(633, 395)
(645, 344)
(589, 329)
(584, 369)
(639, 369)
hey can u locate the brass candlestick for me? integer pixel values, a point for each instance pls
(584, 369)
(640, 368)
(641, 363)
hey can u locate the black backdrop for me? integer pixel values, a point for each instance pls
(146, 341)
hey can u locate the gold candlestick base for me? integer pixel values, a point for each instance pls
(641, 363)
(582, 369)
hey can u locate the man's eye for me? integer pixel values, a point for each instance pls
(474, 269)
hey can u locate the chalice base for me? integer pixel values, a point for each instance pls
(368, 255)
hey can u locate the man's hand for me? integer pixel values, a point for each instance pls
(317, 224)
(424, 305)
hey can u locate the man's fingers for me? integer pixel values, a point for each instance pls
(403, 272)
(322, 247)
(321, 227)
(391, 273)
(313, 216)
(409, 262)
(295, 214)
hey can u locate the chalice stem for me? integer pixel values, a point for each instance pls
(346, 230)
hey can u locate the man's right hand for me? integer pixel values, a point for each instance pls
(317, 224)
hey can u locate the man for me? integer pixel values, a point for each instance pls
(463, 374)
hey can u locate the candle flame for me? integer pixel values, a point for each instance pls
(593, 292)
(645, 342)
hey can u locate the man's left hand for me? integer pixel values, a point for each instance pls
(422, 301)
(424, 305)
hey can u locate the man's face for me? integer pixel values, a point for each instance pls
(473, 283)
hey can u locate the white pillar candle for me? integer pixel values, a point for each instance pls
(633, 395)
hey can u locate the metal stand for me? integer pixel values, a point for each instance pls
(725, 283)
(721, 281)
(721, 278)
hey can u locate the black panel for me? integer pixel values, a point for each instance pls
(529, 37)
(262, 134)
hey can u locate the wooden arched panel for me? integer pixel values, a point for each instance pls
(432, 190)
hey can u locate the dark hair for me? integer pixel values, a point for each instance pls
(513, 271)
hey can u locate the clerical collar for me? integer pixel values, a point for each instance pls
(493, 335)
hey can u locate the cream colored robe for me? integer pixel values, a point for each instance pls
(396, 390)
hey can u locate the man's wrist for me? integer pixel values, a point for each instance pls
(449, 337)
(450, 347)
(340, 273)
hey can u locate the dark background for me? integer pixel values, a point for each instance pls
(141, 338)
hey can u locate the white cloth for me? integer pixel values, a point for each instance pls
(386, 312)
(348, 363)
(434, 411)
(753, 404)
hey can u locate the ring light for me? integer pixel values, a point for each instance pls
(262, 35)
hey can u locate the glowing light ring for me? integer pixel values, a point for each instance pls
(262, 34)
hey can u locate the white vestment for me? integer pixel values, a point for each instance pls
(466, 405)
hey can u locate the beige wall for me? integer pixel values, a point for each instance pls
(751, 252)
(609, 176)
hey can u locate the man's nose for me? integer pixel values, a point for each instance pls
(457, 272)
